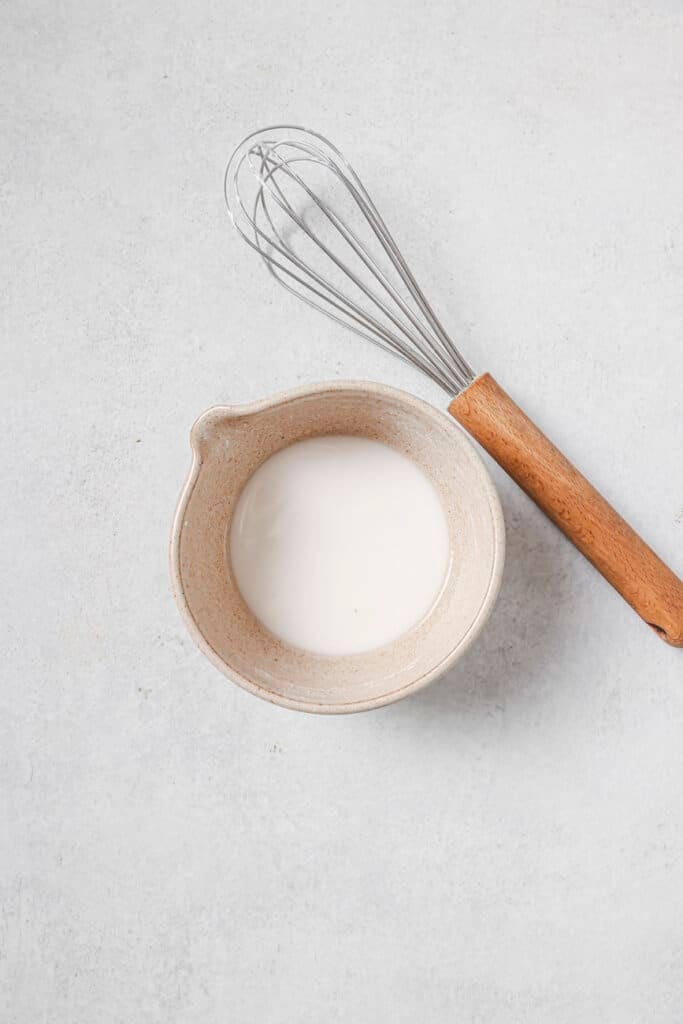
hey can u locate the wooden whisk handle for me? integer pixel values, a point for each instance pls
(573, 504)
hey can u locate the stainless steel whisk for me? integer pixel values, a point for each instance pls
(296, 200)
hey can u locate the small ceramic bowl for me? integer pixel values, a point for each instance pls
(230, 443)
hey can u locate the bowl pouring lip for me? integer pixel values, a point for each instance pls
(227, 412)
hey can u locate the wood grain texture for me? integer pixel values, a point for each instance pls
(573, 504)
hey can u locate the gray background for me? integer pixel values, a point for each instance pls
(508, 845)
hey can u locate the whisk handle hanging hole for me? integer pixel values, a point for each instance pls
(573, 504)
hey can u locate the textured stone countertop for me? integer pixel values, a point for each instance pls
(507, 846)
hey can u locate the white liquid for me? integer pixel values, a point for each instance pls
(339, 544)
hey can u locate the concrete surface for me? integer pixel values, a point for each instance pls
(506, 847)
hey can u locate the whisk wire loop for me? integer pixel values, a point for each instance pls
(353, 242)
(353, 270)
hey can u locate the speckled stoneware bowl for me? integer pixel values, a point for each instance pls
(230, 443)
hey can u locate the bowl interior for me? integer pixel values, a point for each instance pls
(229, 444)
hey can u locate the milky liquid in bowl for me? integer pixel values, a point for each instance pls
(339, 544)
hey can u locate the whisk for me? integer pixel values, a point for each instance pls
(296, 200)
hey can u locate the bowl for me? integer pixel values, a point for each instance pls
(229, 443)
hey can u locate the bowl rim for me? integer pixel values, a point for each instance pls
(303, 391)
